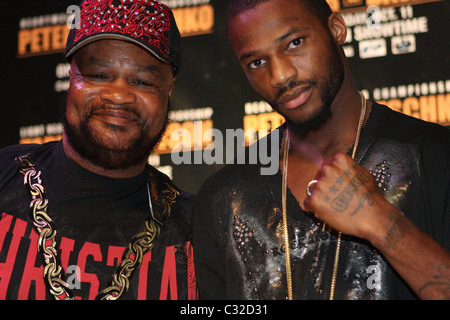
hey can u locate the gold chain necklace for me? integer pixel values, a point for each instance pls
(43, 225)
(284, 197)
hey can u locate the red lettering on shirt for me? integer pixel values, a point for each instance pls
(143, 276)
(31, 273)
(66, 248)
(169, 276)
(89, 249)
(114, 255)
(192, 280)
(26, 273)
(6, 267)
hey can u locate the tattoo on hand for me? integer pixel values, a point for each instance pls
(341, 202)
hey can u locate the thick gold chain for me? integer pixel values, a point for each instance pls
(138, 246)
(43, 224)
(284, 205)
(53, 271)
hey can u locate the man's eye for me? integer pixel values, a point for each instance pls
(295, 43)
(142, 83)
(256, 64)
(96, 76)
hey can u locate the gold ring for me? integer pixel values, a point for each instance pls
(309, 185)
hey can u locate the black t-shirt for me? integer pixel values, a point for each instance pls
(95, 218)
(238, 221)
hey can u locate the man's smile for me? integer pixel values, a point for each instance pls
(117, 117)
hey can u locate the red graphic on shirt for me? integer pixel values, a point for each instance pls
(143, 21)
(32, 278)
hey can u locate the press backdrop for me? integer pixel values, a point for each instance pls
(399, 54)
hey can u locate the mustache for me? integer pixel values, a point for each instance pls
(110, 107)
(293, 84)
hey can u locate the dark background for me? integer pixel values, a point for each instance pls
(211, 77)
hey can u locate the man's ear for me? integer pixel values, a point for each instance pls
(337, 27)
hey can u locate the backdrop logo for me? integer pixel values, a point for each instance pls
(349, 5)
(372, 48)
(429, 101)
(403, 44)
(42, 35)
(193, 17)
(376, 30)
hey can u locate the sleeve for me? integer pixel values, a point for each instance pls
(209, 257)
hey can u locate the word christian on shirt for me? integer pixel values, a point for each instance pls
(13, 236)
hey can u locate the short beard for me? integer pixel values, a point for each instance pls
(329, 86)
(85, 143)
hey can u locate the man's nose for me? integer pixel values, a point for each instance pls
(282, 71)
(117, 92)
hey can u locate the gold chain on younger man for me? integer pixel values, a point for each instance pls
(284, 203)
(53, 271)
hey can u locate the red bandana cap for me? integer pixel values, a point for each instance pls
(147, 23)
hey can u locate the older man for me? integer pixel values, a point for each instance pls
(87, 217)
